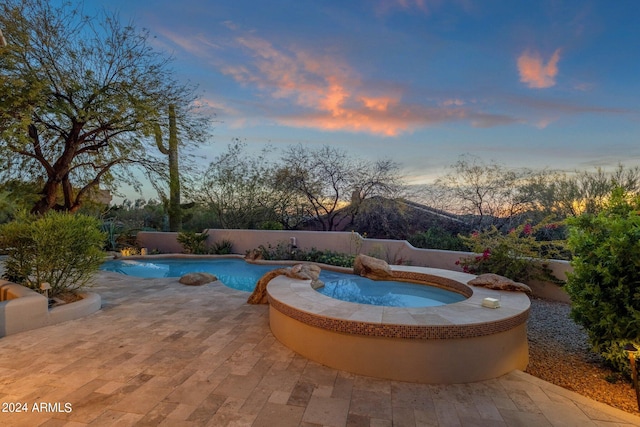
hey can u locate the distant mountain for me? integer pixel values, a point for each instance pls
(433, 211)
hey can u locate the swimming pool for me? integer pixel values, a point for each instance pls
(240, 275)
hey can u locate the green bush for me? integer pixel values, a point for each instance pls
(517, 255)
(436, 238)
(223, 247)
(62, 249)
(271, 225)
(283, 251)
(193, 243)
(326, 257)
(605, 283)
(118, 237)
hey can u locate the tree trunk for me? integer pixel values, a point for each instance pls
(48, 199)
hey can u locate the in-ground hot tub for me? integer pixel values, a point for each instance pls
(453, 343)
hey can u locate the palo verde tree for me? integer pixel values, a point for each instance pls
(80, 99)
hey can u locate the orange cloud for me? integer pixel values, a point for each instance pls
(535, 73)
(378, 103)
(321, 84)
(328, 94)
(308, 89)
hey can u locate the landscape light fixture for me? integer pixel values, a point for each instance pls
(631, 352)
(45, 287)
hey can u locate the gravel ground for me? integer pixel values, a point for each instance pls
(560, 354)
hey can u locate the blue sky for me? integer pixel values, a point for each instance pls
(525, 83)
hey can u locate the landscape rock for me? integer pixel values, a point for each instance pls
(305, 271)
(500, 283)
(298, 271)
(197, 279)
(254, 254)
(371, 267)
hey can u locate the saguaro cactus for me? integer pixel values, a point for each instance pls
(175, 214)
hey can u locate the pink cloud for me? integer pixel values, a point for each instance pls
(328, 94)
(325, 92)
(379, 103)
(535, 73)
(320, 84)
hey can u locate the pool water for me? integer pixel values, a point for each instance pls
(387, 293)
(240, 275)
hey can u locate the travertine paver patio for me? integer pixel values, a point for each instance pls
(160, 353)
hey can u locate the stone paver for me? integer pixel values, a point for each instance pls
(163, 354)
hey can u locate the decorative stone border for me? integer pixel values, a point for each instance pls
(423, 332)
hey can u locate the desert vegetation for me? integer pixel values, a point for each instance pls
(58, 248)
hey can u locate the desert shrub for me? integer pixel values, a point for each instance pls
(605, 283)
(326, 257)
(517, 254)
(118, 236)
(62, 249)
(223, 247)
(283, 251)
(192, 242)
(436, 238)
(271, 225)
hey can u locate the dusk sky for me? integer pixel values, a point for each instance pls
(525, 83)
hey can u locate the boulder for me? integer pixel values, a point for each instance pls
(305, 271)
(298, 271)
(500, 283)
(371, 267)
(197, 279)
(253, 254)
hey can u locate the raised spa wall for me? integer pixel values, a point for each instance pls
(454, 343)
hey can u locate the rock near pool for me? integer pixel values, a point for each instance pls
(371, 267)
(500, 283)
(197, 279)
(298, 271)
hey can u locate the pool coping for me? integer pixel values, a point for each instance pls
(296, 299)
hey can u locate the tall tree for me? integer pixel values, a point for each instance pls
(324, 177)
(487, 191)
(237, 187)
(570, 195)
(329, 179)
(81, 97)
